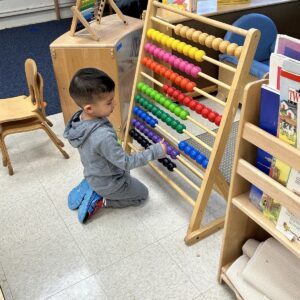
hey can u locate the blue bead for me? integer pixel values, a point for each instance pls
(143, 115)
(152, 123)
(205, 163)
(147, 119)
(194, 154)
(199, 158)
(188, 149)
(182, 145)
(136, 110)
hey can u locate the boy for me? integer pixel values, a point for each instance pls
(106, 165)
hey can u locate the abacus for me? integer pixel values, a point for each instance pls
(154, 103)
(86, 10)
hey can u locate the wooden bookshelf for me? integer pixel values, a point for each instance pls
(243, 219)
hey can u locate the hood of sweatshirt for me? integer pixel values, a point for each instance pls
(78, 131)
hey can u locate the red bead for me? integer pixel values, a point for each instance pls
(205, 112)
(187, 100)
(165, 87)
(218, 120)
(212, 116)
(183, 83)
(181, 97)
(162, 70)
(144, 60)
(190, 86)
(178, 80)
(176, 94)
(193, 104)
(170, 91)
(199, 108)
(168, 74)
(173, 77)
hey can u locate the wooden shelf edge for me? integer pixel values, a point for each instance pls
(243, 203)
(225, 278)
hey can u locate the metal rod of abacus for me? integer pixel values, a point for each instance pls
(167, 179)
(203, 19)
(189, 118)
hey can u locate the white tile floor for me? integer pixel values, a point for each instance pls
(133, 253)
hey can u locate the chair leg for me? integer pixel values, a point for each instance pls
(49, 122)
(5, 156)
(55, 140)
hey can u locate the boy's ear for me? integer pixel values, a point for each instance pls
(88, 108)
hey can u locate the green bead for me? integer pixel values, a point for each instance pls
(154, 110)
(159, 113)
(169, 120)
(148, 90)
(164, 116)
(167, 103)
(180, 127)
(157, 97)
(150, 106)
(183, 114)
(141, 101)
(137, 98)
(177, 111)
(140, 85)
(172, 107)
(163, 100)
(174, 124)
(143, 89)
(152, 93)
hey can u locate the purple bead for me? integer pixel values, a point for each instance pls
(137, 124)
(182, 65)
(174, 153)
(156, 138)
(172, 59)
(177, 62)
(155, 52)
(169, 149)
(146, 131)
(188, 68)
(195, 70)
(166, 56)
(161, 53)
(133, 121)
(142, 127)
(151, 134)
(147, 46)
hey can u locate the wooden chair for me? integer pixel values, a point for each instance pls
(26, 113)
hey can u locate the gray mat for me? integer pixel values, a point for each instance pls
(227, 159)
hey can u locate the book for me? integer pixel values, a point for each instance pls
(287, 46)
(187, 5)
(268, 121)
(276, 63)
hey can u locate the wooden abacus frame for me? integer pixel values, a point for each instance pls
(78, 16)
(212, 176)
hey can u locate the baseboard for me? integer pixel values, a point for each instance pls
(44, 13)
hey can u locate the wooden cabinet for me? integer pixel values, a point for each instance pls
(115, 53)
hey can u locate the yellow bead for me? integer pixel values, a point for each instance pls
(180, 47)
(195, 36)
(202, 38)
(209, 40)
(154, 35)
(238, 51)
(186, 50)
(159, 36)
(231, 48)
(169, 42)
(150, 33)
(177, 28)
(199, 55)
(216, 43)
(164, 40)
(192, 52)
(174, 44)
(189, 33)
(223, 46)
(183, 31)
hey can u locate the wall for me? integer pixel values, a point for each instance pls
(15, 13)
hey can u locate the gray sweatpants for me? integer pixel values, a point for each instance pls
(132, 193)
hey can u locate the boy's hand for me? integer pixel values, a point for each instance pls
(163, 146)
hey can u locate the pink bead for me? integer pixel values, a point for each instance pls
(182, 65)
(155, 52)
(195, 70)
(172, 59)
(147, 46)
(152, 48)
(188, 68)
(161, 53)
(177, 62)
(166, 56)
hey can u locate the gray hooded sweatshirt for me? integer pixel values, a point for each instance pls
(105, 163)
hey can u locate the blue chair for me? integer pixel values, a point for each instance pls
(260, 65)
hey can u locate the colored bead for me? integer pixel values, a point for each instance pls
(137, 98)
(164, 40)
(152, 93)
(152, 48)
(150, 32)
(177, 62)
(182, 65)
(193, 104)
(212, 116)
(190, 86)
(189, 33)
(147, 119)
(195, 35)
(205, 111)
(147, 46)
(170, 91)
(166, 56)
(180, 97)
(159, 114)
(186, 50)
(165, 87)
(157, 68)
(155, 52)
(144, 60)
(187, 100)
(194, 153)
(178, 80)
(182, 145)
(172, 106)
(183, 114)
(140, 85)
(174, 44)
(177, 110)
(192, 52)
(170, 42)
(184, 83)
(148, 90)
(161, 53)
(174, 123)
(159, 36)
(154, 109)
(146, 131)
(180, 128)
(223, 46)
(152, 123)
(199, 158)
(151, 134)
(169, 121)
(195, 70)
(144, 87)
(174, 153)
(199, 55)
(176, 94)
(199, 108)
(180, 46)
(209, 40)
(163, 100)
(218, 120)
(167, 103)
(142, 127)
(150, 106)
(205, 163)
(168, 74)
(133, 121)
(188, 68)
(163, 70)
(173, 76)
(164, 116)
(188, 149)
(136, 109)
(171, 59)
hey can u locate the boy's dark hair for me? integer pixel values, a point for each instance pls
(88, 83)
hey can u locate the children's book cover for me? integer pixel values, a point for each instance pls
(187, 5)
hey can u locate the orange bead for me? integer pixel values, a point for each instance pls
(168, 74)
(190, 86)
(153, 65)
(144, 60)
(174, 76)
(157, 68)
(184, 83)
(163, 70)
(178, 80)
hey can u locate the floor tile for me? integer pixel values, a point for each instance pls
(87, 289)
(147, 274)
(217, 292)
(4, 285)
